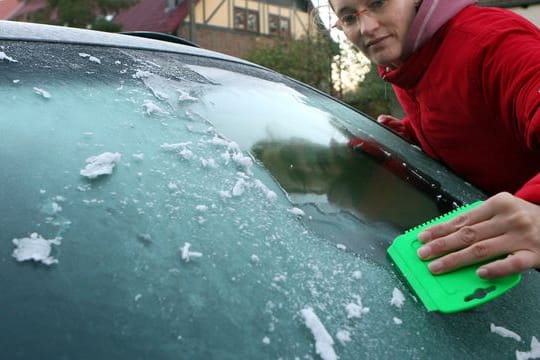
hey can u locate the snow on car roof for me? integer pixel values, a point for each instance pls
(14, 30)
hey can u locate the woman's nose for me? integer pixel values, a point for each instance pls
(367, 24)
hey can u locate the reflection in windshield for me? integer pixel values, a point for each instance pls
(349, 178)
(308, 152)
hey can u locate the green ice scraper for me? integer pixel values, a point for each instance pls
(455, 291)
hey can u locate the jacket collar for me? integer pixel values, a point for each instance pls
(408, 74)
(425, 37)
(431, 16)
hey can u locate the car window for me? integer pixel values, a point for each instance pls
(158, 205)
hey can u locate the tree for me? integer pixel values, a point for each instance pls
(374, 96)
(82, 13)
(307, 59)
(348, 68)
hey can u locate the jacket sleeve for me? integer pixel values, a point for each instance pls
(511, 80)
(409, 107)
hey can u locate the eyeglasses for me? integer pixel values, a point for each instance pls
(347, 21)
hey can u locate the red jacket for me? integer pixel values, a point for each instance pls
(472, 99)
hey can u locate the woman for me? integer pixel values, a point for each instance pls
(468, 79)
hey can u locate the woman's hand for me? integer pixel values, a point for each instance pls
(396, 125)
(503, 226)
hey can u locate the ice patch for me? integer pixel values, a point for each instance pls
(146, 239)
(35, 248)
(343, 336)
(357, 274)
(296, 211)
(239, 187)
(266, 340)
(210, 163)
(90, 58)
(138, 157)
(216, 140)
(270, 195)
(242, 160)
(187, 255)
(225, 194)
(51, 208)
(356, 310)
(397, 298)
(397, 321)
(186, 154)
(151, 108)
(323, 341)
(175, 147)
(341, 247)
(499, 330)
(184, 96)
(533, 354)
(3, 56)
(201, 208)
(102, 164)
(42, 92)
(141, 74)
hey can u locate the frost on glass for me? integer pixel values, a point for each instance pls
(35, 248)
(176, 242)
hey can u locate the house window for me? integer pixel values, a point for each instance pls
(172, 4)
(245, 19)
(279, 26)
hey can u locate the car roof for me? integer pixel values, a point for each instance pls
(13, 30)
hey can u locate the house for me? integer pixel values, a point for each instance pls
(8, 8)
(28, 10)
(529, 9)
(229, 26)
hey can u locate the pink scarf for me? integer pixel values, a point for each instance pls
(431, 15)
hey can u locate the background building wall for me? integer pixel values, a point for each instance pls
(231, 42)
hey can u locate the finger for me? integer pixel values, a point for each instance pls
(385, 118)
(464, 237)
(478, 252)
(479, 214)
(512, 264)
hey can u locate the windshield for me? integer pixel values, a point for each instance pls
(155, 205)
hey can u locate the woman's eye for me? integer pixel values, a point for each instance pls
(348, 19)
(376, 4)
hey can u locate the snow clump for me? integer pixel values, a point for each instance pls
(35, 248)
(102, 164)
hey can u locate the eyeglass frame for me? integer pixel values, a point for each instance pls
(370, 8)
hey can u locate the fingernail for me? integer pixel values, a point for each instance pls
(482, 272)
(424, 235)
(435, 266)
(424, 252)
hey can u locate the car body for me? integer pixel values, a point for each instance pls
(162, 201)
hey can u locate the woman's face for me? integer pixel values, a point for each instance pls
(381, 31)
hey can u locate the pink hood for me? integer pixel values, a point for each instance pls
(431, 15)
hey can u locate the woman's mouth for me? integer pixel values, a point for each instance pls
(376, 41)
